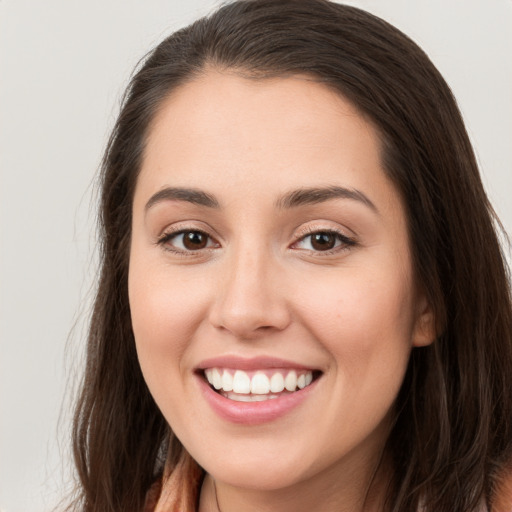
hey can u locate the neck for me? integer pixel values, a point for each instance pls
(362, 488)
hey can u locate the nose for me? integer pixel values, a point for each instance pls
(250, 301)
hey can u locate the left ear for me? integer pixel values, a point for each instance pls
(424, 332)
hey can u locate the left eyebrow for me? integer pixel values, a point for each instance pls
(304, 196)
(189, 195)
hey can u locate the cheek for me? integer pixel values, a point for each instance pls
(165, 312)
(364, 320)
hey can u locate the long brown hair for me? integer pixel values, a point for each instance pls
(452, 438)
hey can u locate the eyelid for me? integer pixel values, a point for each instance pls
(314, 225)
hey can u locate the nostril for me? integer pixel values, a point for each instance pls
(246, 308)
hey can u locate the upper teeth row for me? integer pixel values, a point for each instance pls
(260, 384)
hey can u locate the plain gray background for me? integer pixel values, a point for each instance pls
(63, 67)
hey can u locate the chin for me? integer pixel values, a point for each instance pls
(265, 477)
(255, 467)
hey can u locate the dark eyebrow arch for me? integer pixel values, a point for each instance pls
(305, 196)
(190, 195)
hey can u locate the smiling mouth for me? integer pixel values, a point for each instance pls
(259, 385)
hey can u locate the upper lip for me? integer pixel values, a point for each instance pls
(248, 364)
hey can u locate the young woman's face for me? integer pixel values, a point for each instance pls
(270, 257)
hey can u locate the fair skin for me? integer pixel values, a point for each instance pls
(228, 263)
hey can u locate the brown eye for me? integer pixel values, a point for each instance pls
(194, 240)
(187, 240)
(323, 241)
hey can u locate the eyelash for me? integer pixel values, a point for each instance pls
(170, 235)
(345, 242)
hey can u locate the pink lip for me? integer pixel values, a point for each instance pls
(255, 363)
(253, 413)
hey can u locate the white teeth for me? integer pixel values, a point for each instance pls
(276, 383)
(241, 382)
(227, 381)
(238, 382)
(217, 379)
(241, 398)
(290, 382)
(260, 384)
(249, 398)
(258, 398)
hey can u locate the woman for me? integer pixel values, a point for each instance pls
(303, 303)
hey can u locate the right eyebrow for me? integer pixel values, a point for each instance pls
(190, 195)
(318, 195)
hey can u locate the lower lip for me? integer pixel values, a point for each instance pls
(253, 413)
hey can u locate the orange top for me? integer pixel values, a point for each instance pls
(178, 490)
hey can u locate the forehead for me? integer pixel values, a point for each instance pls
(223, 129)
